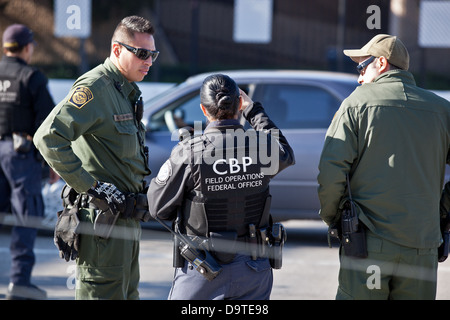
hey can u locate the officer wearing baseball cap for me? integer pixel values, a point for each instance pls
(392, 139)
(24, 104)
(383, 45)
(17, 36)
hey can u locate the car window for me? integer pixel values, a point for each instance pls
(184, 111)
(297, 106)
(180, 113)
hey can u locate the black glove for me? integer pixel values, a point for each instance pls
(106, 196)
(445, 231)
(444, 247)
(66, 236)
(444, 209)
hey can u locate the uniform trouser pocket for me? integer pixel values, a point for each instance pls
(108, 268)
(99, 283)
(390, 271)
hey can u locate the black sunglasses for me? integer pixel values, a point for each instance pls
(141, 53)
(360, 67)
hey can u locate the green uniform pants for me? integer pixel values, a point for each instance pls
(390, 271)
(108, 268)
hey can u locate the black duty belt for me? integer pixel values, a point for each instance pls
(136, 206)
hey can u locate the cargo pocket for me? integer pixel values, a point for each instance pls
(100, 283)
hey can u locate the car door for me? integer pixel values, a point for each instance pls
(303, 112)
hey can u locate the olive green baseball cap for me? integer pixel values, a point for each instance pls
(390, 47)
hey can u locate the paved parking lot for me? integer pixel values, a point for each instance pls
(309, 270)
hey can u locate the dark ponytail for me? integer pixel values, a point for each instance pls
(219, 94)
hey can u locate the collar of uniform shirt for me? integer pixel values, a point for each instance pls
(396, 75)
(224, 123)
(126, 87)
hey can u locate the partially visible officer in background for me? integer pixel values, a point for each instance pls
(94, 139)
(392, 138)
(216, 186)
(24, 104)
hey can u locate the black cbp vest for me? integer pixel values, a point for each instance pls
(230, 189)
(16, 112)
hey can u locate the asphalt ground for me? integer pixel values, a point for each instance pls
(309, 272)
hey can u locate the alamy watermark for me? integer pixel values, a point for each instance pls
(374, 20)
(71, 279)
(240, 149)
(374, 280)
(390, 269)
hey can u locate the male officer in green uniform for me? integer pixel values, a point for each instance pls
(94, 140)
(392, 138)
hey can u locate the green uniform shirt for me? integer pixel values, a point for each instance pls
(393, 138)
(93, 135)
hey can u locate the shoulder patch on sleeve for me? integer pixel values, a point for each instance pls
(164, 173)
(80, 97)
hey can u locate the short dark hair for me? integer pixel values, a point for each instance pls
(219, 94)
(126, 28)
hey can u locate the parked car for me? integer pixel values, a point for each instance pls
(301, 103)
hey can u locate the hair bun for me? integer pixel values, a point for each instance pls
(219, 94)
(223, 100)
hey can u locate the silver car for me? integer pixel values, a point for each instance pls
(301, 103)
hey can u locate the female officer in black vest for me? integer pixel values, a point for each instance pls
(216, 186)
